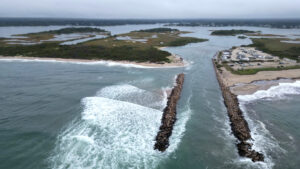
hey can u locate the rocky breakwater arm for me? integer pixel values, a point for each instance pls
(169, 116)
(239, 125)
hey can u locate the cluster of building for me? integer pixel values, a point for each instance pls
(249, 58)
(226, 55)
(250, 54)
(245, 54)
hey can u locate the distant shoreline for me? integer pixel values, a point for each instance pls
(176, 61)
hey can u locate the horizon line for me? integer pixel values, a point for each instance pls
(73, 18)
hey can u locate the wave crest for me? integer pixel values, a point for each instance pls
(277, 92)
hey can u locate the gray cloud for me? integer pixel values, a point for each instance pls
(151, 8)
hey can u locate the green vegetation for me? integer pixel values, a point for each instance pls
(242, 37)
(158, 30)
(275, 47)
(254, 71)
(165, 37)
(70, 30)
(184, 40)
(232, 32)
(110, 48)
(47, 35)
(54, 50)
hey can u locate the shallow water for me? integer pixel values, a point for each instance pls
(72, 115)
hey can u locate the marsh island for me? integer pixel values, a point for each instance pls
(98, 44)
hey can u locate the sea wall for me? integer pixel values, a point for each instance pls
(169, 116)
(239, 125)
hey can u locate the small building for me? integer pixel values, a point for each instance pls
(269, 57)
(260, 57)
(252, 57)
(226, 53)
(225, 57)
(242, 57)
(245, 59)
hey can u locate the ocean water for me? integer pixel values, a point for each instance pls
(104, 115)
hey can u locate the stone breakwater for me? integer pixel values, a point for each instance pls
(239, 125)
(169, 116)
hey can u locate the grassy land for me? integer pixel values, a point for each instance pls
(46, 35)
(254, 71)
(54, 50)
(69, 31)
(232, 32)
(158, 30)
(109, 48)
(184, 40)
(164, 37)
(156, 39)
(275, 47)
(242, 37)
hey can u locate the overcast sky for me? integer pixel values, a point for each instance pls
(151, 8)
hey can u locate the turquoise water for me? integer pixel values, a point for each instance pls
(75, 115)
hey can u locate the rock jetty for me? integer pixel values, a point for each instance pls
(169, 116)
(239, 125)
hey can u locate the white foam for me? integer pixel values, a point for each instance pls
(115, 134)
(180, 127)
(117, 91)
(165, 96)
(133, 94)
(247, 163)
(263, 141)
(111, 134)
(273, 92)
(85, 139)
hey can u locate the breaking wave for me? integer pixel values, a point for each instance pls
(113, 132)
(110, 134)
(262, 140)
(132, 94)
(276, 92)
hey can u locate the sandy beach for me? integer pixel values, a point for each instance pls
(263, 80)
(175, 61)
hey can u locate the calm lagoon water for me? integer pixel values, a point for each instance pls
(83, 115)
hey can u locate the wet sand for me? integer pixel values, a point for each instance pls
(263, 80)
